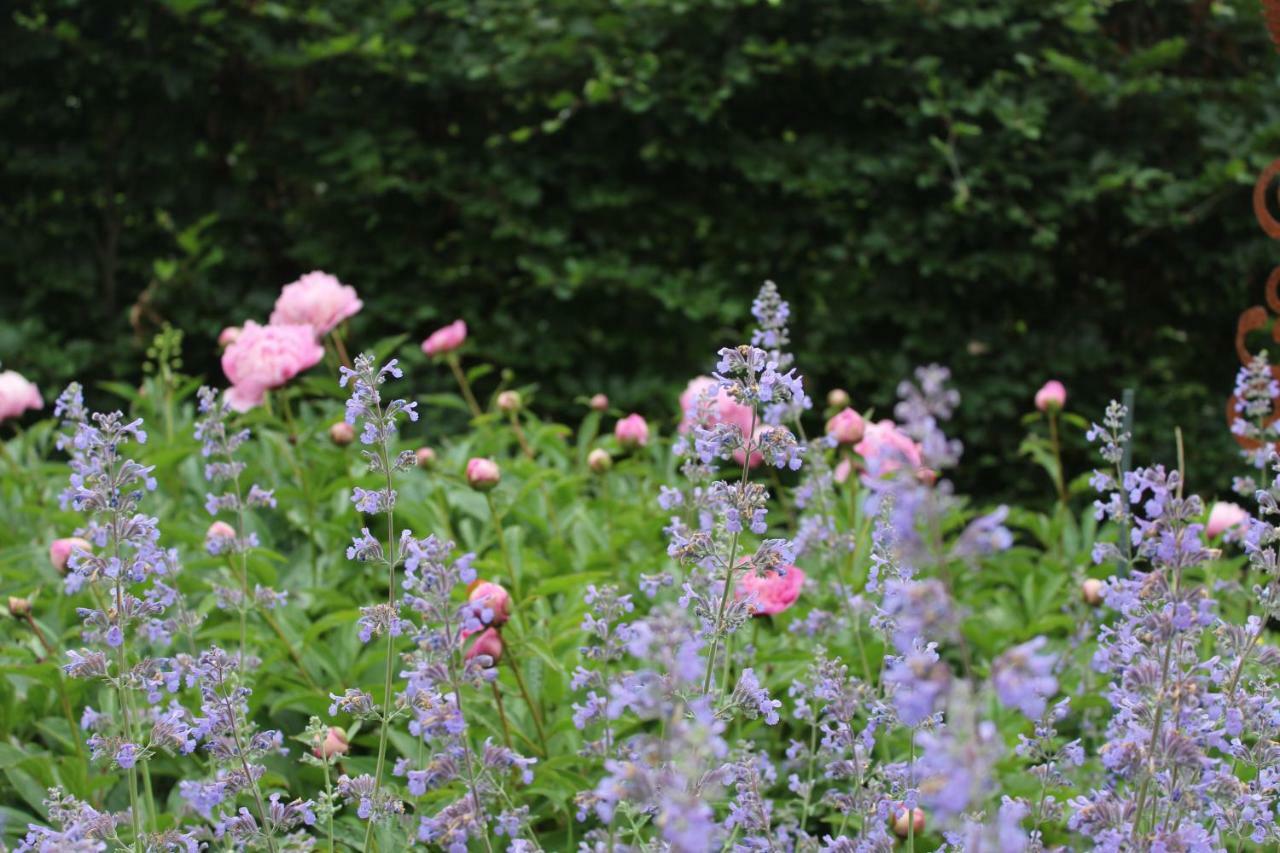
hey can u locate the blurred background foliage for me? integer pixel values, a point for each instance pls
(1017, 188)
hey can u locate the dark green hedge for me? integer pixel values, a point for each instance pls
(1018, 188)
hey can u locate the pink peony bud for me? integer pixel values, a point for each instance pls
(599, 403)
(489, 642)
(228, 336)
(446, 339)
(483, 474)
(494, 598)
(265, 357)
(17, 395)
(837, 398)
(705, 403)
(426, 457)
(599, 460)
(317, 300)
(509, 402)
(1091, 591)
(773, 592)
(342, 433)
(1224, 517)
(843, 469)
(334, 744)
(62, 549)
(846, 427)
(19, 608)
(632, 431)
(905, 826)
(220, 530)
(1051, 396)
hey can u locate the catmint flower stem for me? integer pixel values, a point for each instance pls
(385, 726)
(456, 367)
(244, 765)
(729, 567)
(813, 756)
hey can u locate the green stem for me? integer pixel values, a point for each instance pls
(456, 367)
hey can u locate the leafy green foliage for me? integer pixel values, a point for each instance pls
(1015, 188)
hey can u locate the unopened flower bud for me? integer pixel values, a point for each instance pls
(483, 474)
(905, 825)
(509, 402)
(334, 744)
(494, 598)
(489, 642)
(632, 431)
(1051, 396)
(599, 403)
(1091, 591)
(846, 426)
(426, 457)
(19, 608)
(838, 398)
(599, 460)
(342, 433)
(62, 549)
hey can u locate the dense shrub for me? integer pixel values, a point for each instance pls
(999, 185)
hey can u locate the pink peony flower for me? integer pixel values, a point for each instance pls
(495, 598)
(17, 395)
(228, 336)
(446, 339)
(483, 474)
(266, 357)
(488, 643)
(846, 427)
(1052, 395)
(317, 300)
(773, 591)
(885, 448)
(724, 409)
(60, 551)
(632, 431)
(334, 744)
(1224, 517)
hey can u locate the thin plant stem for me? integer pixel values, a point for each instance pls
(729, 568)
(385, 717)
(502, 714)
(456, 366)
(528, 700)
(1056, 444)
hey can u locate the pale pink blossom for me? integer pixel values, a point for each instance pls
(446, 339)
(426, 457)
(266, 357)
(17, 395)
(483, 474)
(1052, 395)
(599, 402)
(632, 431)
(885, 448)
(60, 550)
(773, 591)
(495, 598)
(228, 336)
(846, 427)
(1223, 517)
(317, 300)
(842, 470)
